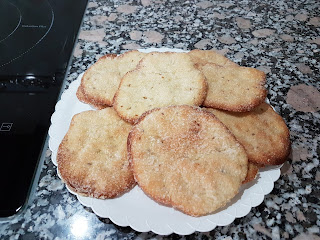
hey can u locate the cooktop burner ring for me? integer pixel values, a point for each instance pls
(27, 26)
(39, 51)
(20, 17)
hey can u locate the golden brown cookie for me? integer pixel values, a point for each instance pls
(92, 157)
(252, 173)
(101, 81)
(82, 98)
(237, 89)
(160, 79)
(262, 132)
(202, 57)
(186, 158)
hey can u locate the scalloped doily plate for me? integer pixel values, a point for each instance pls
(138, 211)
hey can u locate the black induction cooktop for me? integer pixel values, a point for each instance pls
(36, 42)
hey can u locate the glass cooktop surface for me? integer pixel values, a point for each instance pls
(36, 42)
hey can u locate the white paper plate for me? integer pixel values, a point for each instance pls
(138, 211)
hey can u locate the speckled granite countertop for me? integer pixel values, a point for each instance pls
(281, 38)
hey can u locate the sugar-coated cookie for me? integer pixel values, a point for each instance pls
(262, 132)
(92, 157)
(237, 89)
(101, 81)
(202, 57)
(186, 158)
(160, 79)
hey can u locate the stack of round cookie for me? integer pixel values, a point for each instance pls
(188, 128)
